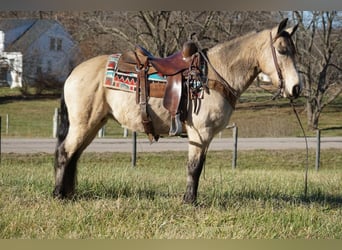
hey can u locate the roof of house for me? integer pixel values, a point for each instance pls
(21, 33)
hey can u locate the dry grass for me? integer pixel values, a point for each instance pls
(262, 199)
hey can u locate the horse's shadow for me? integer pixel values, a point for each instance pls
(124, 191)
(328, 201)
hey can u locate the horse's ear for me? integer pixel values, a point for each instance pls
(292, 30)
(282, 26)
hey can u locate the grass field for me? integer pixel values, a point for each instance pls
(263, 198)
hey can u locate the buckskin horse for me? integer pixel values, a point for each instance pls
(87, 104)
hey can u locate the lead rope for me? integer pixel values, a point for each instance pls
(307, 151)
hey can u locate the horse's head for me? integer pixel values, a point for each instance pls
(279, 63)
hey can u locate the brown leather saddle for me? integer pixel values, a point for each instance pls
(179, 69)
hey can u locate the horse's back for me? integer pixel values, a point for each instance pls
(91, 69)
(86, 77)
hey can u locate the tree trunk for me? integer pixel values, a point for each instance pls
(313, 112)
(315, 120)
(309, 113)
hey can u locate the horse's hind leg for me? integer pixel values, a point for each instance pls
(79, 125)
(65, 172)
(67, 155)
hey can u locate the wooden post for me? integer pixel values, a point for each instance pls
(134, 149)
(55, 124)
(235, 137)
(101, 132)
(0, 139)
(125, 132)
(7, 124)
(318, 148)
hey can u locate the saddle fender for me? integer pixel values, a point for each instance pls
(171, 101)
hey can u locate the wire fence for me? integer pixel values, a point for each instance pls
(14, 125)
(46, 126)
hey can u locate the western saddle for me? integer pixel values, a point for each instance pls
(184, 80)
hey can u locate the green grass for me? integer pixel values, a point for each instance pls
(256, 118)
(263, 198)
(31, 118)
(34, 118)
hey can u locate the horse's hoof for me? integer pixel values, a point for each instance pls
(189, 199)
(59, 194)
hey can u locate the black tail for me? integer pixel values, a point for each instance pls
(63, 127)
(65, 183)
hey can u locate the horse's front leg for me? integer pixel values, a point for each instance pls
(196, 159)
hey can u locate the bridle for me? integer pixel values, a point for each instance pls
(276, 64)
(292, 50)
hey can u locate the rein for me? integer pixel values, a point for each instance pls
(221, 85)
(276, 64)
(307, 150)
(276, 95)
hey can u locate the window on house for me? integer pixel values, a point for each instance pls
(3, 75)
(52, 43)
(49, 66)
(56, 44)
(59, 44)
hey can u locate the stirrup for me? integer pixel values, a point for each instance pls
(176, 126)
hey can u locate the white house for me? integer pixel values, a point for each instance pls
(49, 52)
(11, 65)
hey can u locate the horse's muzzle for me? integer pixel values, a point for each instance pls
(296, 90)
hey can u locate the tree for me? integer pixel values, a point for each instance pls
(319, 48)
(161, 32)
(164, 32)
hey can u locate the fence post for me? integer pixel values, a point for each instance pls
(7, 123)
(125, 132)
(134, 149)
(101, 132)
(0, 139)
(235, 137)
(318, 148)
(55, 124)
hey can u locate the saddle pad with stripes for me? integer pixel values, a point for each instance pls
(127, 81)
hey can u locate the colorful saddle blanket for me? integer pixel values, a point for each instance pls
(127, 81)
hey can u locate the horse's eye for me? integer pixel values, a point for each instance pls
(282, 51)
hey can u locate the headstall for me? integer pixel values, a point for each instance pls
(276, 64)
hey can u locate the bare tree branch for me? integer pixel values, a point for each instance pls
(318, 60)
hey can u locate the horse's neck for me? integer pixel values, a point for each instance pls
(236, 61)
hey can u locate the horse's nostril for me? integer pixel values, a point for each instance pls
(296, 91)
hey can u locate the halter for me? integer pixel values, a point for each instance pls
(276, 64)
